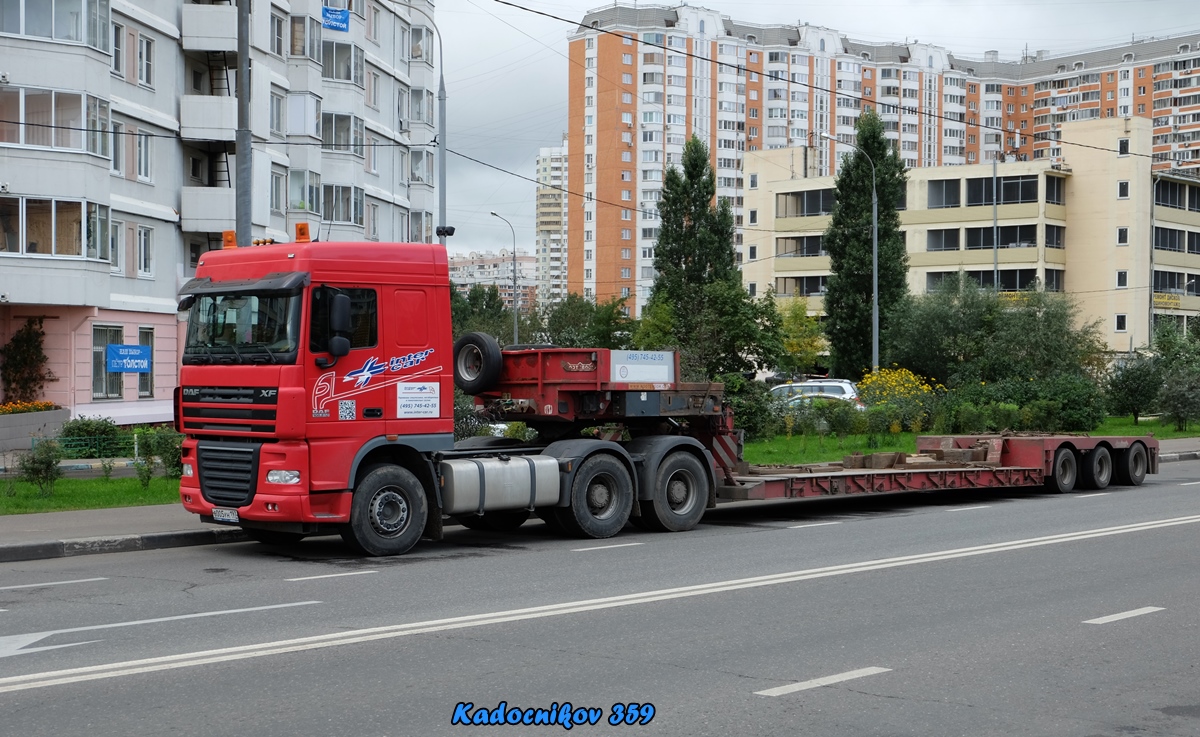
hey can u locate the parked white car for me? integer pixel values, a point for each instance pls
(818, 388)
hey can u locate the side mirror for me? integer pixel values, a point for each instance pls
(186, 303)
(339, 314)
(339, 345)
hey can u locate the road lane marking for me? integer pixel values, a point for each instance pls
(50, 583)
(242, 652)
(18, 644)
(605, 547)
(330, 575)
(818, 682)
(814, 524)
(1124, 615)
(1190, 483)
(1086, 496)
(968, 509)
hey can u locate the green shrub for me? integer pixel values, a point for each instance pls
(1180, 395)
(1042, 415)
(755, 409)
(972, 419)
(167, 445)
(1081, 405)
(1005, 416)
(40, 466)
(144, 467)
(467, 423)
(89, 427)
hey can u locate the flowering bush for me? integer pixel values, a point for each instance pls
(910, 398)
(17, 408)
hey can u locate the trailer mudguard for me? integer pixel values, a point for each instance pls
(571, 453)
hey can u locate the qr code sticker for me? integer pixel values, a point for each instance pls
(346, 409)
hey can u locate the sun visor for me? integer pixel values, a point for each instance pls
(279, 283)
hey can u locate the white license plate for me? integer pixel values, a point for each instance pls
(225, 515)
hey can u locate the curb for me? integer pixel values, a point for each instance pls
(67, 466)
(118, 544)
(1187, 455)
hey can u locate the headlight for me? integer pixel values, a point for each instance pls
(187, 470)
(283, 477)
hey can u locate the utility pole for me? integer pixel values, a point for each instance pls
(242, 144)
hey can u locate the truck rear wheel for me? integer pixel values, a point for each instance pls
(601, 498)
(1097, 468)
(505, 520)
(680, 495)
(1132, 465)
(387, 513)
(477, 362)
(1063, 472)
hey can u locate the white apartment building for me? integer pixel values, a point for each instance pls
(551, 215)
(117, 165)
(489, 268)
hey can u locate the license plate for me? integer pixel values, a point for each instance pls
(225, 515)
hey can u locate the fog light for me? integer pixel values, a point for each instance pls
(187, 498)
(283, 477)
(187, 470)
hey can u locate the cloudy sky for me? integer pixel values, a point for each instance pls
(506, 72)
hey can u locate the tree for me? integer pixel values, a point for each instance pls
(803, 339)
(1179, 356)
(481, 310)
(848, 242)
(1134, 385)
(23, 363)
(713, 321)
(577, 322)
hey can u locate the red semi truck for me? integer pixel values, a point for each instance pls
(317, 397)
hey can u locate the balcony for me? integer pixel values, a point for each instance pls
(207, 209)
(210, 27)
(207, 117)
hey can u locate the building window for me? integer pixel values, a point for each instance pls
(1122, 236)
(944, 193)
(342, 132)
(626, 58)
(942, 240)
(1055, 280)
(146, 378)
(373, 16)
(1056, 236)
(342, 61)
(1121, 323)
(626, 273)
(278, 190)
(145, 251)
(374, 81)
(144, 157)
(1010, 190)
(304, 190)
(1122, 147)
(626, 234)
(1055, 191)
(1122, 279)
(118, 149)
(277, 120)
(343, 204)
(306, 37)
(118, 50)
(372, 225)
(1122, 190)
(753, 214)
(105, 385)
(626, 254)
(278, 34)
(145, 60)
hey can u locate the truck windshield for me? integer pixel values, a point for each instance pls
(243, 328)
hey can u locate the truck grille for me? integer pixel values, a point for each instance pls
(229, 409)
(228, 472)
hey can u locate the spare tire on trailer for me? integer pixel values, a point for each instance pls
(1132, 464)
(477, 363)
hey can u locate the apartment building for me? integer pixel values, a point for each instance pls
(1098, 223)
(489, 268)
(645, 78)
(117, 164)
(551, 217)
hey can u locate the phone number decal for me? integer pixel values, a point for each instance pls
(565, 715)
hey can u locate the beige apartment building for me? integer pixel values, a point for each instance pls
(1096, 222)
(550, 249)
(645, 77)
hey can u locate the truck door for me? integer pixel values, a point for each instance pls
(417, 364)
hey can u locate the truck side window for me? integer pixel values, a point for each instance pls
(364, 318)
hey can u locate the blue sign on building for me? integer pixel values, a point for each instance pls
(335, 19)
(129, 359)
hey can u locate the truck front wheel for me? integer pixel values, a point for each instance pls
(601, 498)
(387, 513)
(680, 495)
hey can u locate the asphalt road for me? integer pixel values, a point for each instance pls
(982, 613)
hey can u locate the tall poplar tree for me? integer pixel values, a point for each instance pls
(698, 303)
(848, 242)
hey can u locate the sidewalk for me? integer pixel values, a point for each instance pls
(84, 532)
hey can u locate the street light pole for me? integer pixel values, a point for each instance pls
(874, 255)
(514, 239)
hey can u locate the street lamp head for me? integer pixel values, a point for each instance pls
(495, 214)
(826, 136)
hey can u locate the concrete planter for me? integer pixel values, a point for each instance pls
(17, 431)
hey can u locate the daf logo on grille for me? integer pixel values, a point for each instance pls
(191, 391)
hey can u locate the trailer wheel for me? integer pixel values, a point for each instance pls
(477, 362)
(601, 497)
(1132, 465)
(272, 537)
(387, 513)
(1097, 468)
(1063, 472)
(505, 520)
(680, 495)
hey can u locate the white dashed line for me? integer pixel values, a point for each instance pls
(818, 682)
(1190, 483)
(605, 547)
(330, 575)
(1124, 615)
(968, 509)
(814, 524)
(1086, 496)
(50, 583)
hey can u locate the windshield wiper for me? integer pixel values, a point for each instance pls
(265, 348)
